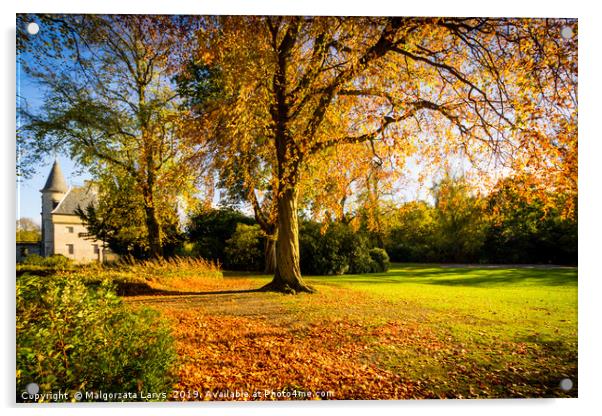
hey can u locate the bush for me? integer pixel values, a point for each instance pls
(361, 262)
(336, 250)
(55, 262)
(244, 249)
(327, 253)
(381, 258)
(210, 229)
(74, 338)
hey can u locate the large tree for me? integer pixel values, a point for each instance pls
(110, 103)
(117, 216)
(243, 176)
(493, 91)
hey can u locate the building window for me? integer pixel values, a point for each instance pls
(70, 249)
(96, 250)
(70, 230)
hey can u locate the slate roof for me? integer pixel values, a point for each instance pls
(56, 181)
(81, 196)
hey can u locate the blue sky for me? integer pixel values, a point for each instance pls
(28, 191)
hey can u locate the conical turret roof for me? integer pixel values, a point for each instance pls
(56, 181)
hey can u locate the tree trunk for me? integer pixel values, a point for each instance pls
(153, 227)
(288, 278)
(270, 254)
(155, 243)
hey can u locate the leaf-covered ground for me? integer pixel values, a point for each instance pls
(414, 332)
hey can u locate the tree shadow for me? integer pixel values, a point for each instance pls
(235, 274)
(510, 278)
(469, 276)
(127, 289)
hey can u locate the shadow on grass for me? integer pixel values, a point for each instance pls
(143, 289)
(468, 276)
(234, 274)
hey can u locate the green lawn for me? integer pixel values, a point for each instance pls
(417, 331)
(522, 320)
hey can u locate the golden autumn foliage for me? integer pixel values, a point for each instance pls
(300, 92)
(313, 109)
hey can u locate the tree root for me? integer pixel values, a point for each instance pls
(284, 287)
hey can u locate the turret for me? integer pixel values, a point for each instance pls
(52, 193)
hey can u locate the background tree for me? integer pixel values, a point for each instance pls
(28, 230)
(210, 228)
(110, 102)
(117, 217)
(523, 227)
(202, 88)
(350, 179)
(295, 87)
(259, 196)
(460, 226)
(512, 224)
(412, 239)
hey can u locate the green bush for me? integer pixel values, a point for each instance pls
(55, 262)
(74, 338)
(244, 249)
(324, 253)
(210, 229)
(337, 250)
(361, 262)
(381, 258)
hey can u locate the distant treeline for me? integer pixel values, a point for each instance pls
(503, 227)
(509, 225)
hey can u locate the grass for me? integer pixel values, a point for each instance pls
(516, 325)
(131, 277)
(417, 331)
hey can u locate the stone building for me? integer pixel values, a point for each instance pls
(63, 231)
